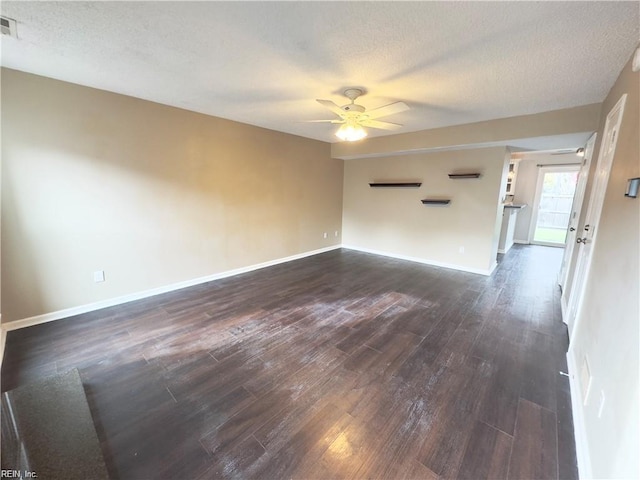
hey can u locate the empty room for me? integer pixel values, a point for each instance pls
(320, 240)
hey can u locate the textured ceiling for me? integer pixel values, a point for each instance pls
(264, 63)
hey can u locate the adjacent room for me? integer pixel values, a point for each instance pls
(320, 240)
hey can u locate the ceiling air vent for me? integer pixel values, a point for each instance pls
(8, 27)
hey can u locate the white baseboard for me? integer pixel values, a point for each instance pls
(579, 428)
(521, 242)
(493, 267)
(3, 342)
(505, 250)
(69, 312)
(478, 271)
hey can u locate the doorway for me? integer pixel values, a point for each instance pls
(578, 200)
(552, 205)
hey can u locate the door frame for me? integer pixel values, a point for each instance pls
(584, 253)
(538, 196)
(576, 208)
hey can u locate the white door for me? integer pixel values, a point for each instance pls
(587, 237)
(576, 208)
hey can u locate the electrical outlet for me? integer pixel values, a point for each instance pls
(324, 234)
(335, 234)
(461, 249)
(98, 276)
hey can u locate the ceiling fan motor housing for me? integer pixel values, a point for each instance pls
(352, 107)
(352, 94)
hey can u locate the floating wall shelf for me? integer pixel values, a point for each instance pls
(395, 184)
(456, 176)
(428, 201)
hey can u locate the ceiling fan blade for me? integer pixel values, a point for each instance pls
(323, 121)
(331, 106)
(390, 109)
(380, 125)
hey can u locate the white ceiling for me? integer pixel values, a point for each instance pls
(264, 63)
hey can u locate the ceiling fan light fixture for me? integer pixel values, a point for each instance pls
(351, 132)
(354, 118)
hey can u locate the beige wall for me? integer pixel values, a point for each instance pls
(608, 329)
(394, 221)
(503, 131)
(152, 195)
(525, 188)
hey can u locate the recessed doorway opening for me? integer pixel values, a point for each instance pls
(552, 206)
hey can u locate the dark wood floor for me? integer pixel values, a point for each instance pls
(342, 365)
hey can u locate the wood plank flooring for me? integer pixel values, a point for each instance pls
(341, 365)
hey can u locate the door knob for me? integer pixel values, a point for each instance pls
(572, 229)
(582, 240)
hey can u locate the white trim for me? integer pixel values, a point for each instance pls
(549, 244)
(69, 312)
(576, 209)
(533, 222)
(599, 188)
(579, 427)
(492, 269)
(563, 308)
(521, 242)
(478, 271)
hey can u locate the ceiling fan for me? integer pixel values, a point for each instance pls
(354, 117)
